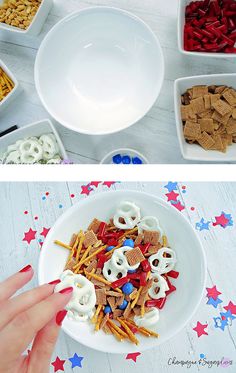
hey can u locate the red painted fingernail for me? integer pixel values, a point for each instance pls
(55, 282)
(26, 269)
(60, 317)
(66, 290)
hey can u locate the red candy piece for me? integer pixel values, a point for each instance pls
(159, 303)
(102, 258)
(101, 231)
(144, 248)
(173, 274)
(120, 282)
(145, 265)
(143, 279)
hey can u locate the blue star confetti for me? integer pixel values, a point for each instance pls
(76, 361)
(171, 186)
(214, 302)
(229, 217)
(219, 323)
(202, 225)
(227, 315)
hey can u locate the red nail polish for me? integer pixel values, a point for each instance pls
(55, 282)
(26, 269)
(66, 290)
(60, 317)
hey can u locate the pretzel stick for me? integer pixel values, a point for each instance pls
(142, 330)
(164, 241)
(115, 333)
(78, 265)
(129, 232)
(119, 330)
(99, 320)
(79, 247)
(59, 243)
(129, 331)
(84, 259)
(136, 297)
(109, 253)
(94, 318)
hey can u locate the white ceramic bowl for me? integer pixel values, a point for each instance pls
(123, 151)
(191, 264)
(34, 129)
(195, 152)
(14, 92)
(36, 24)
(99, 70)
(180, 33)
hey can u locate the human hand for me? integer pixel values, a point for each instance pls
(35, 315)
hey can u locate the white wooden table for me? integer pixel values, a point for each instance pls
(37, 209)
(155, 135)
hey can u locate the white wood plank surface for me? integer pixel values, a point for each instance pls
(154, 135)
(208, 200)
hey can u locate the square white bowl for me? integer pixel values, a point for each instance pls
(36, 24)
(195, 152)
(14, 92)
(180, 33)
(33, 129)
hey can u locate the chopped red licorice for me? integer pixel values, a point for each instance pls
(145, 265)
(144, 248)
(210, 26)
(135, 283)
(143, 279)
(171, 287)
(173, 274)
(102, 258)
(112, 242)
(134, 276)
(101, 231)
(159, 303)
(120, 282)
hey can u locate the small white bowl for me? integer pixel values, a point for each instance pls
(36, 24)
(123, 151)
(105, 66)
(14, 92)
(195, 152)
(180, 33)
(191, 264)
(34, 129)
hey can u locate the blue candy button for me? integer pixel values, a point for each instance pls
(136, 160)
(107, 309)
(127, 288)
(109, 248)
(128, 242)
(117, 159)
(126, 159)
(123, 305)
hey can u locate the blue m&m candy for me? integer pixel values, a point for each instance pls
(126, 159)
(117, 159)
(109, 248)
(128, 242)
(127, 288)
(107, 309)
(136, 160)
(123, 305)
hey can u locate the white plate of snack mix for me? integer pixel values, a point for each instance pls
(24, 16)
(205, 109)
(136, 265)
(9, 86)
(36, 143)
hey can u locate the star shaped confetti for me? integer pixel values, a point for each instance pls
(231, 307)
(214, 302)
(178, 206)
(202, 224)
(86, 189)
(229, 217)
(221, 220)
(95, 183)
(45, 232)
(227, 315)
(76, 361)
(172, 196)
(108, 183)
(213, 292)
(29, 236)
(219, 323)
(58, 364)
(133, 356)
(200, 329)
(171, 186)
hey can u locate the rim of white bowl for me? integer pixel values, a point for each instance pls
(55, 27)
(123, 150)
(167, 206)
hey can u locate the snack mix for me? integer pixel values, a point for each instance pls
(19, 13)
(6, 84)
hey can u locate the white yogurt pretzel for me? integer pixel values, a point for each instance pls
(120, 261)
(159, 287)
(49, 146)
(112, 273)
(12, 157)
(149, 319)
(129, 212)
(149, 223)
(164, 264)
(31, 151)
(83, 300)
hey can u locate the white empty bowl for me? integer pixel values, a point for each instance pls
(191, 264)
(99, 70)
(193, 151)
(36, 24)
(180, 33)
(14, 92)
(37, 129)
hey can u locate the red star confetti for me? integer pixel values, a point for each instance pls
(199, 328)
(108, 183)
(86, 189)
(45, 232)
(178, 206)
(231, 307)
(213, 292)
(172, 196)
(133, 356)
(95, 183)
(29, 236)
(58, 364)
(221, 220)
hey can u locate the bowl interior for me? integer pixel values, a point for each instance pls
(191, 265)
(106, 67)
(194, 151)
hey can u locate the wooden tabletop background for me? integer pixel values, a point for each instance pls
(40, 204)
(155, 135)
